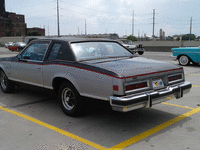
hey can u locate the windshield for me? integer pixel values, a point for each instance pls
(98, 50)
(128, 42)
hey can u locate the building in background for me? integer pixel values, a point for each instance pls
(12, 24)
(17, 26)
(162, 35)
(2, 9)
(35, 32)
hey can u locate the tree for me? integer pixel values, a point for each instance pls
(34, 33)
(198, 38)
(132, 38)
(178, 39)
(188, 37)
(169, 38)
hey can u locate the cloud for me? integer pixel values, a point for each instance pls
(111, 16)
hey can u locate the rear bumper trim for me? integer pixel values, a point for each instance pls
(132, 102)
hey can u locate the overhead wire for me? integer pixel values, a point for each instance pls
(125, 17)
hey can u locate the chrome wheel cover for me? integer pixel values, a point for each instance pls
(3, 80)
(68, 98)
(184, 60)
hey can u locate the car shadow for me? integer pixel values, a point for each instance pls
(98, 123)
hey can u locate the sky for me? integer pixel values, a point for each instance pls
(110, 16)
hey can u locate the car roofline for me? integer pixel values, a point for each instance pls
(74, 40)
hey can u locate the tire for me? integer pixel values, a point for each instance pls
(70, 100)
(140, 52)
(184, 60)
(6, 85)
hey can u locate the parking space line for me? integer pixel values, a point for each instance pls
(94, 145)
(193, 74)
(177, 105)
(195, 86)
(154, 130)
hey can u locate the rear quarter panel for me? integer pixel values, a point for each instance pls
(88, 83)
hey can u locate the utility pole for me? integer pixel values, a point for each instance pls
(48, 30)
(139, 35)
(58, 18)
(133, 24)
(153, 22)
(190, 27)
(78, 30)
(85, 28)
(44, 30)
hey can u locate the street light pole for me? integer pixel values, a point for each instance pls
(58, 19)
(133, 24)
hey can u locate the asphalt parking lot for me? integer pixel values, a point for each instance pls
(33, 120)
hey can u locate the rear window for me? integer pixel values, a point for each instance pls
(96, 50)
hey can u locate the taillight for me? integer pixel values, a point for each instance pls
(115, 88)
(136, 86)
(175, 77)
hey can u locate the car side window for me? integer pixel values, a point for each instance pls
(54, 51)
(35, 51)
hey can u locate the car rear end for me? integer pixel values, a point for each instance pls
(146, 90)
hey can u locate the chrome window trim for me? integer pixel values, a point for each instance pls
(50, 41)
(28, 60)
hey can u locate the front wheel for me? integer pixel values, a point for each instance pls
(184, 60)
(70, 100)
(6, 85)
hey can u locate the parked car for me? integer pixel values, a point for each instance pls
(13, 47)
(134, 48)
(9, 44)
(18, 46)
(97, 69)
(185, 55)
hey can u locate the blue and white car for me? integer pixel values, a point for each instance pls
(185, 55)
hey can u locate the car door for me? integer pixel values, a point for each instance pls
(29, 66)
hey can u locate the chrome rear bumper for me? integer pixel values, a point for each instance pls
(146, 100)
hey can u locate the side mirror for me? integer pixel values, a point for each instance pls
(19, 57)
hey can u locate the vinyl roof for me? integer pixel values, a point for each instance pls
(73, 39)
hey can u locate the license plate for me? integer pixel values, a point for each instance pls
(157, 83)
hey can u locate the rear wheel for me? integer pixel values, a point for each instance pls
(6, 85)
(140, 52)
(184, 60)
(70, 100)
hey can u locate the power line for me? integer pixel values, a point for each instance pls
(91, 9)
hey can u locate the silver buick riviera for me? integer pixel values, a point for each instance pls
(93, 68)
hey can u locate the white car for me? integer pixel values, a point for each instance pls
(9, 44)
(134, 48)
